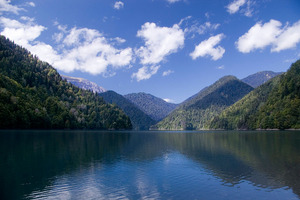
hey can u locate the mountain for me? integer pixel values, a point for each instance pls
(197, 112)
(139, 120)
(153, 106)
(260, 78)
(241, 114)
(34, 96)
(84, 84)
(273, 105)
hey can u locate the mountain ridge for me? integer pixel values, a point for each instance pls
(153, 106)
(210, 101)
(273, 105)
(139, 119)
(260, 78)
(84, 84)
(34, 96)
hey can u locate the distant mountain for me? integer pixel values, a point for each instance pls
(197, 112)
(139, 119)
(84, 84)
(153, 106)
(273, 105)
(34, 96)
(260, 78)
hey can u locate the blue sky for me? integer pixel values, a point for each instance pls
(169, 48)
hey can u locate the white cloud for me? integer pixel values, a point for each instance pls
(159, 42)
(184, 20)
(289, 38)
(221, 67)
(208, 48)
(194, 27)
(234, 6)
(173, 1)
(32, 4)
(5, 6)
(207, 15)
(84, 49)
(90, 52)
(169, 100)
(119, 40)
(244, 6)
(60, 27)
(167, 73)
(259, 36)
(118, 5)
(21, 33)
(78, 37)
(145, 72)
(269, 34)
(104, 19)
(28, 19)
(203, 28)
(249, 10)
(57, 37)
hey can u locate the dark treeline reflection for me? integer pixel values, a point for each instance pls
(32, 160)
(267, 159)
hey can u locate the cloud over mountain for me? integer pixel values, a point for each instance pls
(84, 49)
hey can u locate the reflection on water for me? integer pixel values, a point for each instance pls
(156, 165)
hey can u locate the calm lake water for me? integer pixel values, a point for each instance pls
(149, 165)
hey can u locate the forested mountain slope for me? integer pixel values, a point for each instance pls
(196, 112)
(139, 120)
(34, 96)
(273, 105)
(153, 106)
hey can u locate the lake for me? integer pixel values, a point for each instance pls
(150, 165)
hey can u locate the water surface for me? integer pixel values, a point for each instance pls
(149, 165)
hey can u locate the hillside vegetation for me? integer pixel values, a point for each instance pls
(153, 106)
(34, 96)
(139, 120)
(197, 112)
(273, 105)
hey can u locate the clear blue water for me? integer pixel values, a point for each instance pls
(149, 165)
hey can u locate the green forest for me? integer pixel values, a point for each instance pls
(196, 112)
(156, 108)
(34, 96)
(273, 105)
(139, 119)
